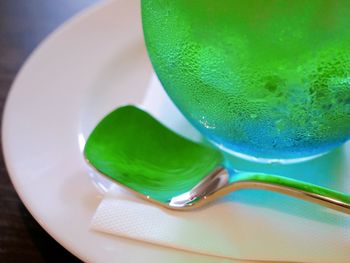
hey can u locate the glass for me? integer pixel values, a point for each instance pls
(263, 79)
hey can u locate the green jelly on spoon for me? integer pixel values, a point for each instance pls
(137, 152)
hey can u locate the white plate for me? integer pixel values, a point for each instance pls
(90, 65)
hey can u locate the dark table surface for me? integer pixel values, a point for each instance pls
(23, 25)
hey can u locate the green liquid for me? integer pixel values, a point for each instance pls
(269, 79)
(137, 151)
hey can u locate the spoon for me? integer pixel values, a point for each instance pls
(137, 152)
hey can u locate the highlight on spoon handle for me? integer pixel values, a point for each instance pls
(310, 192)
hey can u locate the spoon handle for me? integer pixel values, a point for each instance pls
(310, 192)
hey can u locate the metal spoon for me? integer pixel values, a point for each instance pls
(137, 152)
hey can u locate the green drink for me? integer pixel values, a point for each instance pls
(268, 79)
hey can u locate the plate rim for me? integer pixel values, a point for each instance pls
(76, 18)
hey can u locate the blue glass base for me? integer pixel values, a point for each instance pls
(267, 160)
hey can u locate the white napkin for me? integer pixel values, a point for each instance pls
(247, 224)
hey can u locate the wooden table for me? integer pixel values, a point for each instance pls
(23, 24)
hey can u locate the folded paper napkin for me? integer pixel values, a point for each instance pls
(228, 229)
(247, 224)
